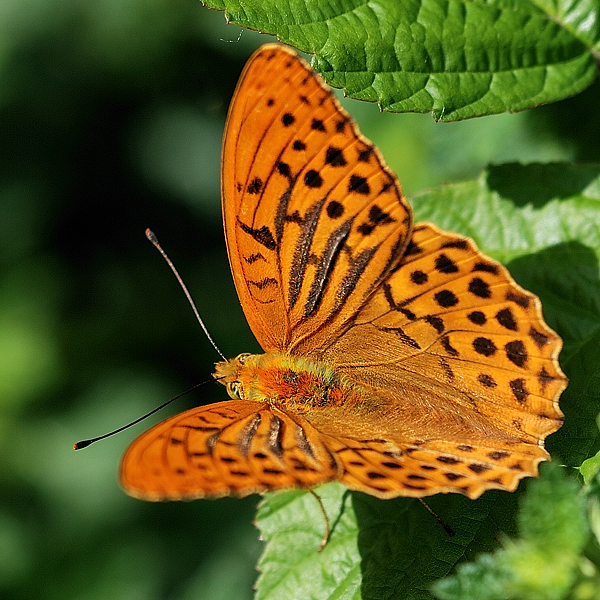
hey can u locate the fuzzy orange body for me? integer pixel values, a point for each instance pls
(289, 383)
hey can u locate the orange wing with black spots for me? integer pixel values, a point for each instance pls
(227, 448)
(464, 366)
(314, 219)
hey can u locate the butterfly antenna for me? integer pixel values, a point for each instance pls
(86, 443)
(150, 235)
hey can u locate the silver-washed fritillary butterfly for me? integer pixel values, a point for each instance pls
(399, 359)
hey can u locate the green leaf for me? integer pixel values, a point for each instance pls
(590, 468)
(544, 221)
(455, 58)
(293, 525)
(544, 563)
(377, 548)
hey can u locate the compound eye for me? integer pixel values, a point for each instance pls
(235, 390)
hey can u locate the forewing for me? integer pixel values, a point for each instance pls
(227, 448)
(314, 219)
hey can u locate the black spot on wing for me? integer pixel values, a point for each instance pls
(358, 185)
(262, 235)
(317, 125)
(478, 287)
(409, 341)
(340, 126)
(516, 353)
(445, 341)
(376, 217)
(412, 249)
(335, 157)
(498, 454)
(284, 169)
(313, 179)
(506, 318)
(544, 378)
(379, 217)
(484, 346)
(254, 186)
(443, 264)
(477, 317)
(486, 268)
(449, 460)
(264, 283)
(479, 468)
(254, 258)
(518, 388)
(409, 314)
(335, 210)
(446, 298)
(364, 154)
(518, 299)
(418, 277)
(540, 339)
(294, 218)
(458, 244)
(486, 380)
(436, 322)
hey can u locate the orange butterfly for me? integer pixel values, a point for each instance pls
(399, 360)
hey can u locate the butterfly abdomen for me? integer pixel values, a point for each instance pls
(290, 383)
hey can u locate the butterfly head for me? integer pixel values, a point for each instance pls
(228, 372)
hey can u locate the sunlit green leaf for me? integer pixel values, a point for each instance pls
(456, 59)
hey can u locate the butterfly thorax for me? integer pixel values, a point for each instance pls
(292, 383)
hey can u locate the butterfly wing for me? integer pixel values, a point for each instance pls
(314, 220)
(462, 371)
(228, 448)
(387, 469)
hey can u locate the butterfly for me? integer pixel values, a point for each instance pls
(399, 359)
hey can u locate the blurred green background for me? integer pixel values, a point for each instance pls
(111, 116)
